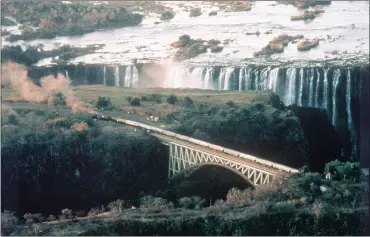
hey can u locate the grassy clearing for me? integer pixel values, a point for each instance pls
(155, 105)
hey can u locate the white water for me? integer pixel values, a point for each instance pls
(273, 79)
(325, 103)
(229, 75)
(348, 99)
(242, 75)
(128, 82)
(104, 76)
(301, 82)
(336, 76)
(196, 78)
(208, 78)
(221, 78)
(341, 18)
(317, 88)
(291, 80)
(310, 96)
(116, 76)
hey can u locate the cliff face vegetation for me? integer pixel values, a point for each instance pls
(53, 18)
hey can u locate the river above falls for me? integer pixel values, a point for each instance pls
(343, 30)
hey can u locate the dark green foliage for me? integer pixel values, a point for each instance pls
(343, 170)
(192, 202)
(257, 129)
(167, 15)
(39, 164)
(8, 222)
(172, 99)
(344, 222)
(230, 103)
(155, 97)
(104, 103)
(187, 102)
(144, 98)
(135, 101)
(57, 19)
(7, 22)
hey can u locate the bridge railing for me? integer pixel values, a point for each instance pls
(199, 142)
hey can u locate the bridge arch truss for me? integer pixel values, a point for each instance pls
(182, 157)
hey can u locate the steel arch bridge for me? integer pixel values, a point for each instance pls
(186, 152)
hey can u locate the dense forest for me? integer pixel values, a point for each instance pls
(51, 161)
(48, 19)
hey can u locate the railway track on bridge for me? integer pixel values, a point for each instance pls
(186, 152)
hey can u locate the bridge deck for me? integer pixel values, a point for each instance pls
(218, 153)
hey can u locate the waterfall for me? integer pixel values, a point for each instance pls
(66, 72)
(228, 76)
(116, 76)
(348, 100)
(195, 79)
(208, 78)
(128, 78)
(176, 77)
(104, 77)
(241, 78)
(135, 76)
(336, 76)
(317, 88)
(264, 79)
(221, 78)
(325, 101)
(291, 76)
(310, 95)
(248, 79)
(301, 81)
(273, 79)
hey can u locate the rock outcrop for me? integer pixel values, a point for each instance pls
(307, 44)
(190, 48)
(307, 15)
(277, 44)
(195, 12)
(167, 15)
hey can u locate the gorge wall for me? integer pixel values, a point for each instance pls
(335, 89)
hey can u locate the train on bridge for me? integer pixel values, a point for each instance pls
(197, 142)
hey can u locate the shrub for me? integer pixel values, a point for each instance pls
(230, 103)
(80, 214)
(129, 98)
(155, 202)
(144, 98)
(51, 218)
(172, 99)
(103, 103)
(187, 102)
(8, 222)
(192, 202)
(96, 210)
(116, 206)
(135, 102)
(155, 97)
(33, 218)
(67, 213)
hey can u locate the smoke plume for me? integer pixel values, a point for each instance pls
(16, 75)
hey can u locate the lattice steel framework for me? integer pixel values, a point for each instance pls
(182, 157)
